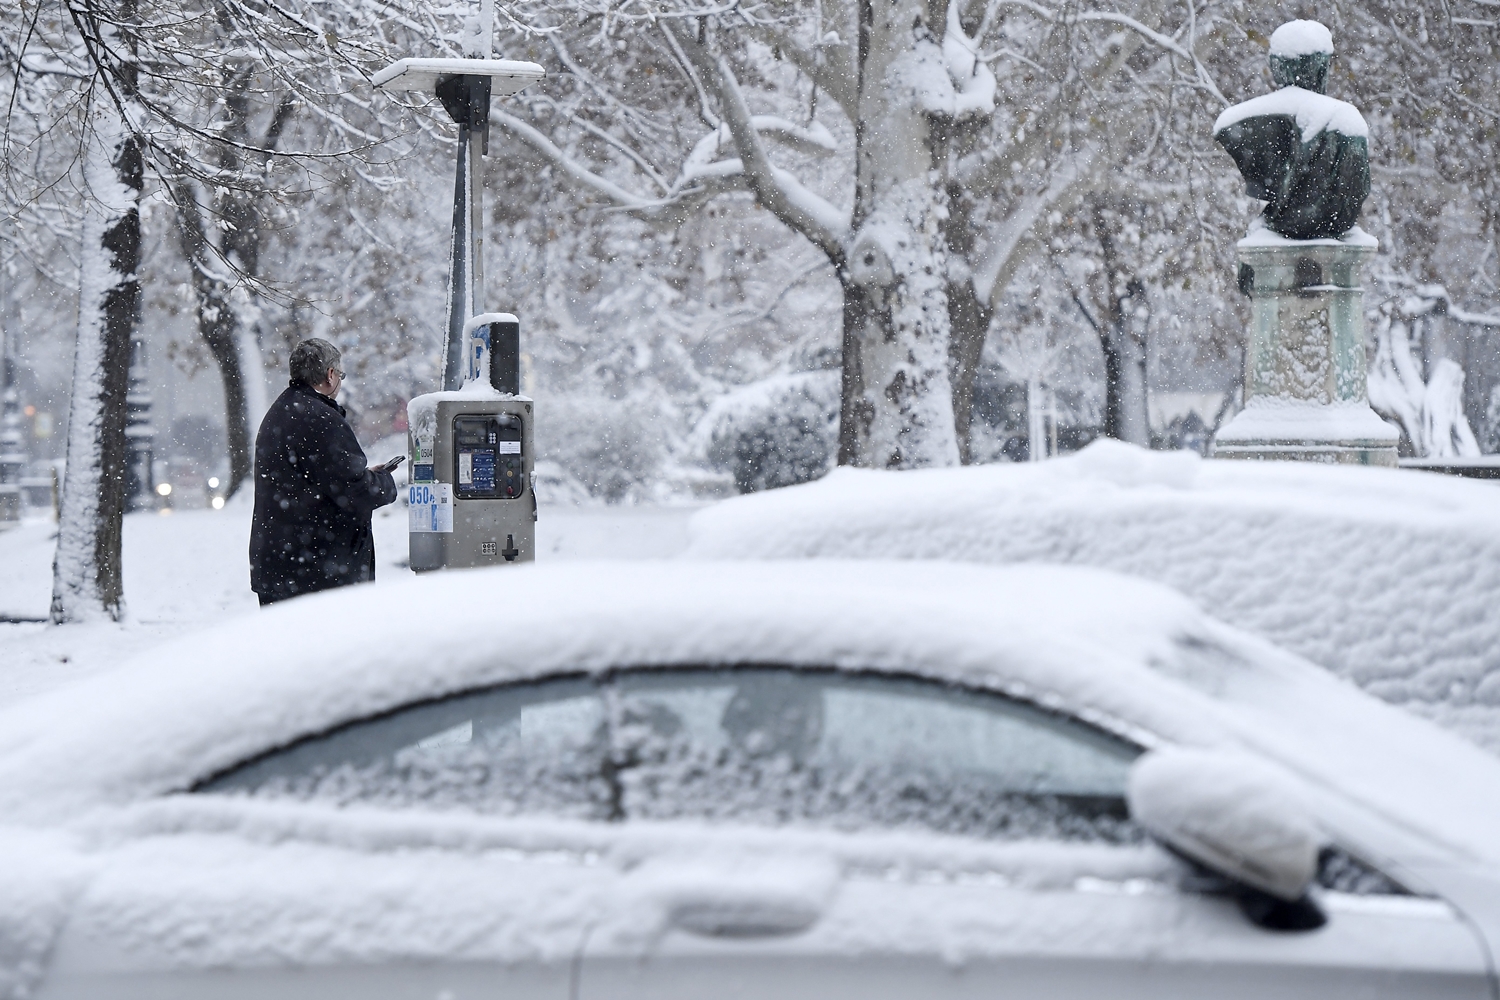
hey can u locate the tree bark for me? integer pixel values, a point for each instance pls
(218, 325)
(853, 411)
(903, 410)
(86, 572)
(1124, 355)
(227, 327)
(968, 317)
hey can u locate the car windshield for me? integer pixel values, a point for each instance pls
(761, 745)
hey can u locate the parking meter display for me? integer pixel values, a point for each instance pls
(487, 456)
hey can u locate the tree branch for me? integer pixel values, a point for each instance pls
(998, 261)
(798, 208)
(1155, 37)
(534, 138)
(830, 67)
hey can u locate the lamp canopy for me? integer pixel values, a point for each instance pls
(507, 76)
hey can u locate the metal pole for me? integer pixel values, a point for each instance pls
(460, 256)
(478, 146)
(467, 99)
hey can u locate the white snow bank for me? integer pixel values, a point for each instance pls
(181, 569)
(1314, 113)
(189, 569)
(1389, 578)
(1272, 419)
(1301, 38)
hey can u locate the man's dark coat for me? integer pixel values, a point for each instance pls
(313, 498)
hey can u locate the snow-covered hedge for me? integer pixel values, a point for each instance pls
(779, 431)
(1389, 578)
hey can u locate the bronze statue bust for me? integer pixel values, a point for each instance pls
(1302, 152)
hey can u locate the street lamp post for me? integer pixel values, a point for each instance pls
(465, 87)
(140, 485)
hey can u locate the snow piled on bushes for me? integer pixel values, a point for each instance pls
(1389, 578)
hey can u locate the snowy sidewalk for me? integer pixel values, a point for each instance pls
(189, 569)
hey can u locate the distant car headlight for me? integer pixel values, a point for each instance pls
(165, 489)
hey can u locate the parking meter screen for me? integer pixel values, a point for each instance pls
(487, 457)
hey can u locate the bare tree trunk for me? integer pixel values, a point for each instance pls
(1124, 354)
(226, 326)
(217, 325)
(903, 411)
(86, 572)
(853, 412)
(968, 317)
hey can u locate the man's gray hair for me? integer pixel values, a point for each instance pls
(311, 360)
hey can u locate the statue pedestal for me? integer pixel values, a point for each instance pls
(1305, 388)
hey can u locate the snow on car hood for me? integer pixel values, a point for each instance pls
(1126, 653)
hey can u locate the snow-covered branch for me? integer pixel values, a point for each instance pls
(534, 138)
(703, 175)
(1435, 300)
(785, 197)
(812, 138)
(998, 260)
(1165, 42)
(827, 62)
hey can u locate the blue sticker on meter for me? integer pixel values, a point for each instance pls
(431, 507)
(484, 470)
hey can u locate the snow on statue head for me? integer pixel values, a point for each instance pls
(1301, 52)
(1305, 154)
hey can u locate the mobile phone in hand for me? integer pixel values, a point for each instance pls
(392, 465)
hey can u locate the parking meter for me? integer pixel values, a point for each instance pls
(471, 501)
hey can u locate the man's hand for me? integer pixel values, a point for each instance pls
(388, 466)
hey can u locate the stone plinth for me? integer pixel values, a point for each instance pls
(1305, 383)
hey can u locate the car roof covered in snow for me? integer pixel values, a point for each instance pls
(1386, 577)
(1125, 653)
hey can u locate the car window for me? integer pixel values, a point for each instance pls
(761, 745)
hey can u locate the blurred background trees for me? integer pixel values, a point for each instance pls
(685, 333)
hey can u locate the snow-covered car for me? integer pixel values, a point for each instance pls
(773, 779)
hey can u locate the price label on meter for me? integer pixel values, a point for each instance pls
(430, 507)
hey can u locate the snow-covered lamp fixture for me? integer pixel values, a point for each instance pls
(465, 87)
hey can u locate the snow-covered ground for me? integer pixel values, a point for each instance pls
(189, 568)
(1389, 578)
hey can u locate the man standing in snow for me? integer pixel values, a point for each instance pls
(313, 493)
